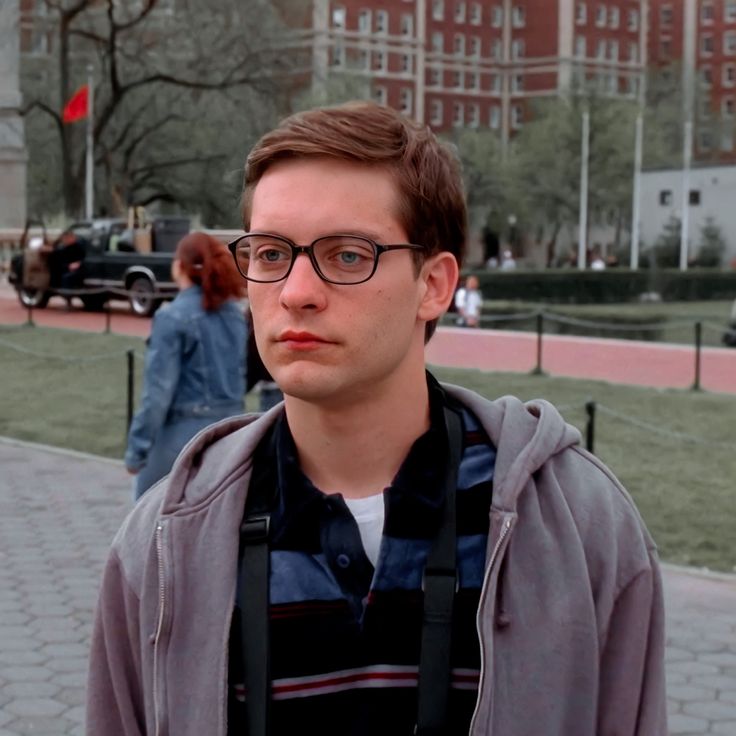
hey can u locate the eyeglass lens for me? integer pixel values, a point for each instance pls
(342, 259)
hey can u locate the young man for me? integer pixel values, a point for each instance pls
(439, 563)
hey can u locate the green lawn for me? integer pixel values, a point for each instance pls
(673, 449)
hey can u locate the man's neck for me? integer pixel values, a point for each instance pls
(357, 449)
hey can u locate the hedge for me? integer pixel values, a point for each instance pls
(615, 285)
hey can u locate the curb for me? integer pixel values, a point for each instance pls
(13, 442)
(699, 572)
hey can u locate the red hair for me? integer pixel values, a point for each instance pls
(207, 263)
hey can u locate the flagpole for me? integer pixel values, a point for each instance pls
(89, 178)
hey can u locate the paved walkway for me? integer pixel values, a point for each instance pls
(58, 513)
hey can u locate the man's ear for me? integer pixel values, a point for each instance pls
(440, 274)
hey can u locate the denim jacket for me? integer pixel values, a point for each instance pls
(195, 367)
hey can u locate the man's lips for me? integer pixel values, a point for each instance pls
(302, 338)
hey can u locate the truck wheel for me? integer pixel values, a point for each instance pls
(142, 301)
(34, 298)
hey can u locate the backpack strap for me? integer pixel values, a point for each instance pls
(253, 598)
(440, 583)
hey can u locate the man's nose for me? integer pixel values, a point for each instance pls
(303, 287)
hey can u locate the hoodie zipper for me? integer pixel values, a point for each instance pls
(159, 716)
(505, 529)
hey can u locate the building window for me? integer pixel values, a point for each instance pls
(580, 47)
(517, 48)
(476, 14)
(338, 17)
(337, 56)
(406, 62)
(517, 16)
(729, 11)
(496, 49)
(517, 117)
(633, 51)
(364, 60)
(473, 115)
(632, 84)
(475, 47)
(706, 76)
(632, 22)
(460, 11)
(364, 21)
(457, 114)
(581, 14)
(433, 79)
(600, 16)
(406, 101)
(613, 83)
(600, 50)
(457, 80)
(665, 15)
(379, 61)
(458, 44)
(379, 95)
(496, 83)
(407, 24)
(706, 44)
(614, 16)
(497, 16)
(438, 41)
(727, 107)
(613, 50)
(665, 197)
(436, 113)
(729, 43)
(494, 117)
(707, 12)
(381, 21)
(665, 48)
(694, 197)
(39, 42)
(705, 143)
(471, 80)
(729, 75)
(726, 140)
(517, 83)
(438, 9)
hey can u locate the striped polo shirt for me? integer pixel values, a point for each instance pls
(345, 636)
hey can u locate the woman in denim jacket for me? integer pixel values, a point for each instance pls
(195, 362)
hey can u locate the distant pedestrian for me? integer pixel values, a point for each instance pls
(508, 262)
(472, 302)
(195, 362)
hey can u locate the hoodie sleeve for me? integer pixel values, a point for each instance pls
(114, 689)
(160, 380)
(632, 699)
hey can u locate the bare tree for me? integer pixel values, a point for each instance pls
(181, 88)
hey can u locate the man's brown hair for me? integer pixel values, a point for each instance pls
(432, 206)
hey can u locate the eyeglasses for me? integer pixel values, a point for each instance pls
(338, 259)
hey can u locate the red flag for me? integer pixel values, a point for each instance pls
(78, 107)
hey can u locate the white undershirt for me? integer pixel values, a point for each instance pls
(369, 513)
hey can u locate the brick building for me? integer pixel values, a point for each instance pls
(697, 38)
(479, 63)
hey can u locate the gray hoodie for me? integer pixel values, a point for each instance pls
(571, 618)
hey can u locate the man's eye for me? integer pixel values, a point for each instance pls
(349, 257)
(272, 255)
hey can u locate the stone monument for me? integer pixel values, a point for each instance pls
(13, 154)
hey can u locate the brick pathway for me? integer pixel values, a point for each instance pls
(58, 513)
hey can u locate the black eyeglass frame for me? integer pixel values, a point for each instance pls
(308, 250)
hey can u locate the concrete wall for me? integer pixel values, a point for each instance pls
(13, 155)
(717, 188)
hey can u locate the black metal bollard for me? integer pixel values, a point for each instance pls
(131, 388)
(29, 319)
(590, 426)
(537, 371)
(698, 346)
(107, 317)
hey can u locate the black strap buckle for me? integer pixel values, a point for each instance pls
(255, 529)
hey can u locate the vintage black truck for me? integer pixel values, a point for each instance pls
(100, 260)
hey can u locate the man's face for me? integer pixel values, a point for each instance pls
(327, 343)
